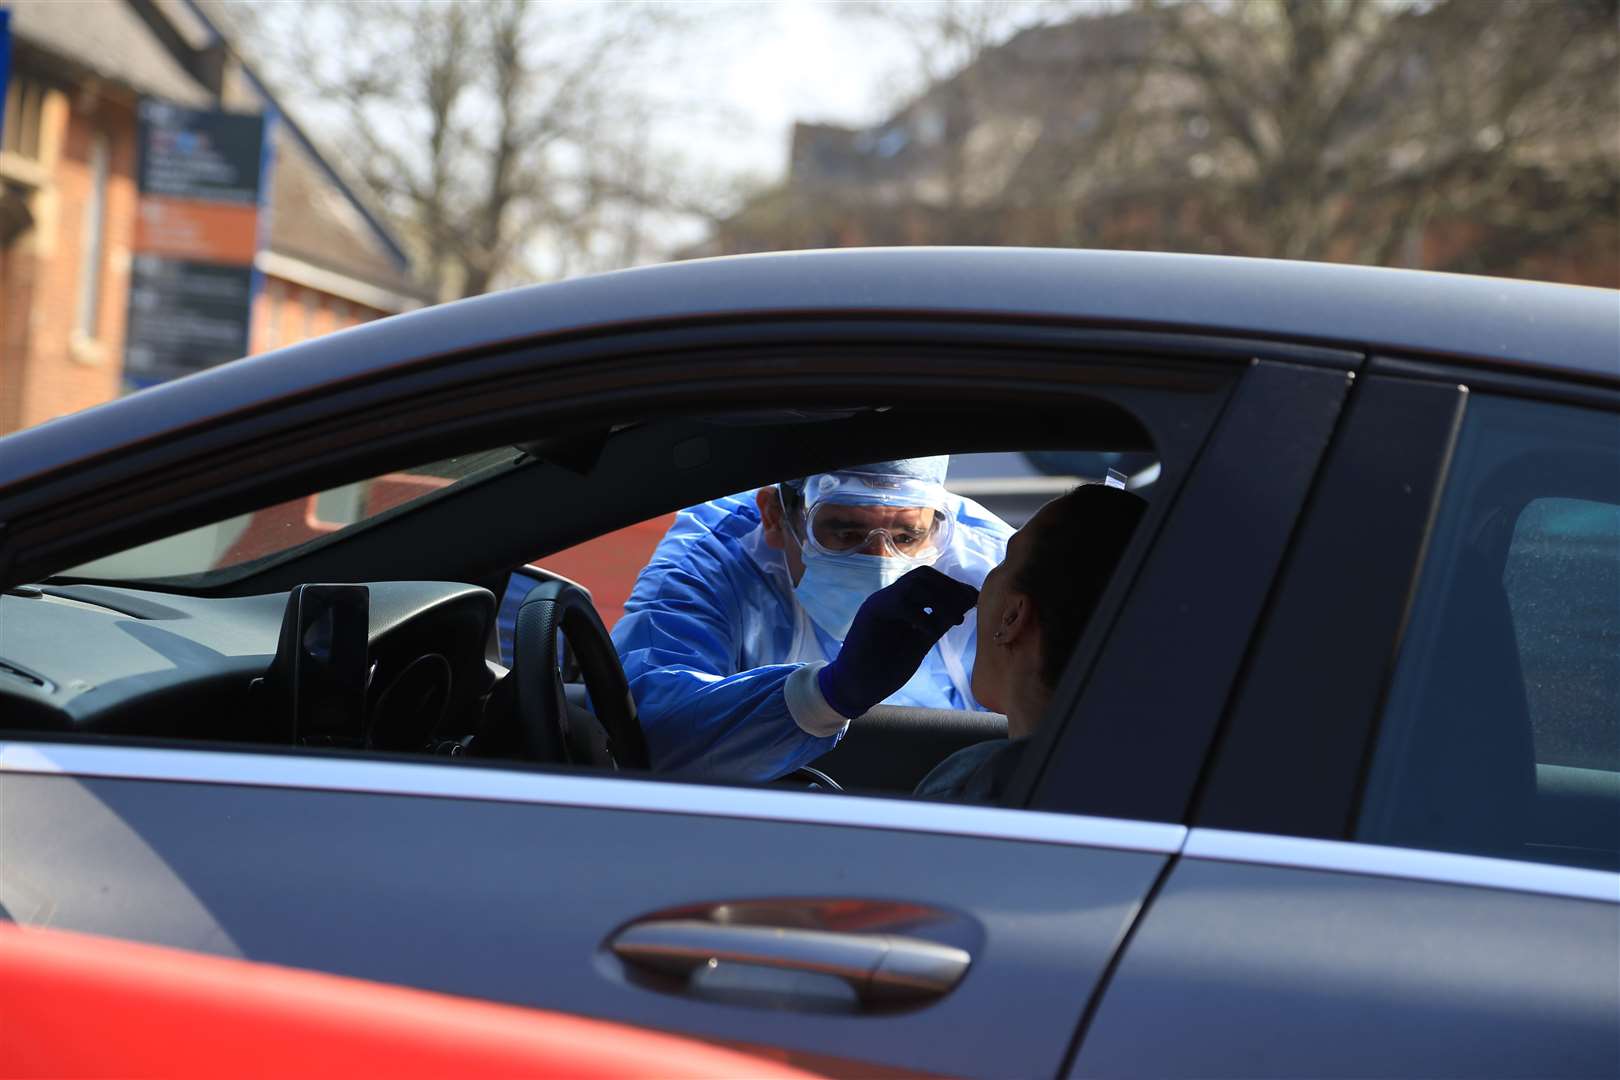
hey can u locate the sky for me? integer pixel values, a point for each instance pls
(806, 62)
(782, 61)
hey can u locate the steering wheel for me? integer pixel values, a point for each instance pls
(542, 710)
(813, 779)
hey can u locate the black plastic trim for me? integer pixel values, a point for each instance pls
(1289, 760)
(1145, 715)
(1559, 386)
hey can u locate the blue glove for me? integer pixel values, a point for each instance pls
(891, 635)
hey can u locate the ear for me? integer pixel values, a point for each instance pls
(769, 502)
(1017, 618)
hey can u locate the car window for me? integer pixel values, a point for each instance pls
(704, 604)
(724, 606)
(1501, 731)
(279, 529)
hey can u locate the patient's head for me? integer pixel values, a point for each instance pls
(1035, 605)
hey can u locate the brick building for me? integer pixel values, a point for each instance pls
(68, 152)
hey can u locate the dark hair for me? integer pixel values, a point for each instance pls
(1072, 557)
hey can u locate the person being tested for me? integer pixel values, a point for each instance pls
(765, 622)
(1031, 613)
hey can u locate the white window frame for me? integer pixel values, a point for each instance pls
(92, 243)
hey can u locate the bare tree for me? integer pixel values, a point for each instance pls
(1479, 135)
(1341, 129)
(502, 134)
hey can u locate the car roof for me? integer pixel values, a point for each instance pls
(1564, 329)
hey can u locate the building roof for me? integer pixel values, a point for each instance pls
(314, 221)
(110, 39)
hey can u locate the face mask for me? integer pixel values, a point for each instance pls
(833, 588)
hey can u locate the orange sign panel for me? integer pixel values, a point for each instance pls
(197, 231)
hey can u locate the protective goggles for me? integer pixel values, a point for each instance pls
(894, 517)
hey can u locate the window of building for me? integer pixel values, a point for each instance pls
(88, 317)
(1501, 735)
(312, 303)
(24, 117)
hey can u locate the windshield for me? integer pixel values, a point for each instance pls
(289, 526)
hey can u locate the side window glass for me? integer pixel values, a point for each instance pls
(1501, 730)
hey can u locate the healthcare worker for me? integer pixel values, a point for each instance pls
(766, 621)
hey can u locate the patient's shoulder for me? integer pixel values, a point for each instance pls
(978, 773)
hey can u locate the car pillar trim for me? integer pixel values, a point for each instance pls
(495, 784)
(1413, 864)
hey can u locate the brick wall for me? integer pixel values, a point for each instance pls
(17, 273)
(285, 313)
(51, 365)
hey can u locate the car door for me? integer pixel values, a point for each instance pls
(853, 933)
(1403, 857)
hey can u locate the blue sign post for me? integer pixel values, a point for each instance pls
(5, 62)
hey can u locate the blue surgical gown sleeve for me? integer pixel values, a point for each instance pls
(679, 645)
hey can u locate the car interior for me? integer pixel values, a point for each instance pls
(380, 635)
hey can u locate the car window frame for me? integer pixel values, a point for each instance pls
(290, 447)
(1269, 773)
(1128, 371)
(1127, 741)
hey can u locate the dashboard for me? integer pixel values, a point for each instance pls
(98, 661)
(94, 659)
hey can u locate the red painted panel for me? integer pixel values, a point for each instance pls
(608, 565)
(77, 1005)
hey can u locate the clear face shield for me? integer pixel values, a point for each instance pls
(890, 517)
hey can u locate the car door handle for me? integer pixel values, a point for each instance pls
(877, 967)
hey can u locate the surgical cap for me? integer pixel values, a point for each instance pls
(925, 470)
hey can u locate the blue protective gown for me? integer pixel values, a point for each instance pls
(712, 633)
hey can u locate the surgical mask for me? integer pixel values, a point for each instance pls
(834, 587)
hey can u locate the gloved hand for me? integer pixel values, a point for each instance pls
(892, 633)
